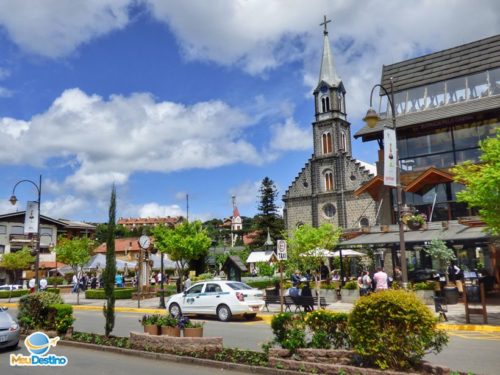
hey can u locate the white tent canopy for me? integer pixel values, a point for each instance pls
(261, 256)
(348, 253)
(323, 253)
(167, 263)
(99, 261)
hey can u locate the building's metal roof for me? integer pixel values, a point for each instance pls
(458, 61)
(434, 114)
(455, 232)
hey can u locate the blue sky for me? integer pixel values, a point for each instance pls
(168, 98)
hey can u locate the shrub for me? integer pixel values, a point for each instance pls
(150, 319)
(265, 269)
(425, 285)
(351, 285)
(120, 293)
(34, 309)
(168, 290)
(53, 290)
(289, 331)
(13, 293)
(393, 329)
(167, 321)
(55, 280)
(60, 317)
(328, 328)
(262, 284)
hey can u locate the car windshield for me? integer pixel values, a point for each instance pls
(239, 286)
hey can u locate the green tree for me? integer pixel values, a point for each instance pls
(110, 269)
(14, 263)
(306, 238)
(74, 252)
(438, 250)
(185, 243)
(482, 183)
(268, 216)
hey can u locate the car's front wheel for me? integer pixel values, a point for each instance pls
(175, 310)
(224, 313)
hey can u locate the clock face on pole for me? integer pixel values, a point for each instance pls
(144, 242)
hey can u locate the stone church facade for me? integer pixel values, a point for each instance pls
(323, 190)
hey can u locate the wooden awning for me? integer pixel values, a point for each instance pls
(430, 177)
(372, 187)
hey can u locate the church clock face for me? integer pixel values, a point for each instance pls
(324, 89)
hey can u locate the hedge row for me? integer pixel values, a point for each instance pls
(14, 293)
(120, 293)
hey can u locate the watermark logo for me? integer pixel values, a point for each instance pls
(39, 344)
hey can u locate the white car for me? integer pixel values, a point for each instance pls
(11, 287)
(221, 298)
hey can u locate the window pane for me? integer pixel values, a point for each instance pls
(416, 100)
(488, 130)
(471, 154)
(383, 107)
(437, 141)
(494, 81)
(195, 289)
(456, 90)
(3, 229)
(420, 163)
(435, 95)
(2, 249)
(465, 136)
(478, 85)
(400, 102)
(17, 229)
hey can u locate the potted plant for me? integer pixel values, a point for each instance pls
(349, 292)
(168, 326)
(425, 291)
(438, 250)
(150, 324)
(190, 328)
(416, 221)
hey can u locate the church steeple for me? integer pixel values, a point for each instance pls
(327, 73)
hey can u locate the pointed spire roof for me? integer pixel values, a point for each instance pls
(327, 72)
(236, 213)
(268, 242)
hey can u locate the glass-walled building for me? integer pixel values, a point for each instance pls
(445, 103)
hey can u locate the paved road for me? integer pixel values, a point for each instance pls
(467, 351)
(92, 362)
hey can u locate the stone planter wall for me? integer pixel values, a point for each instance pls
(331, 362)
(349, 295)
(169, 344)
(426, 296)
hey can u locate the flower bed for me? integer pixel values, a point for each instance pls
(13, 293)
(120, 293)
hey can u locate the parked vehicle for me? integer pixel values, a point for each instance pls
(9, 330)
(223, 299)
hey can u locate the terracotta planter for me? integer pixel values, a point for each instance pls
(151, 329)
(193, 332)
(171, 331)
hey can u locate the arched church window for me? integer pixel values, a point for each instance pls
(328, 181)
(343, 141)
(329, 210)
(327, 142)
(325, 104)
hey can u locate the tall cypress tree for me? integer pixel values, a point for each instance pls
(268, 216)
(110, 270)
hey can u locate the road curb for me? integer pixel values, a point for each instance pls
(469, 327)
(181, 359)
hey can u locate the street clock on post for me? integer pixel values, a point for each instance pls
(144, 242)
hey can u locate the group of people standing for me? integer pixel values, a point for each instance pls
(379, 281)
(85, 282)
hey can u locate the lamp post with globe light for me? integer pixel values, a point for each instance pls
(13, 200)
(371, 119)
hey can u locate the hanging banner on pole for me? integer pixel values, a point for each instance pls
(31, 218)
(390, 157)
(282, 250)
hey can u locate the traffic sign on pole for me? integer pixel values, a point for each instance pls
(281, 250)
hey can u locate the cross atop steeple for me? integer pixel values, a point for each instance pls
(324, 23)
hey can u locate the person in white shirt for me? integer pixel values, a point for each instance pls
(32, 284)
(187, 283)
(74, 281)
(43, 284)
(381, 280)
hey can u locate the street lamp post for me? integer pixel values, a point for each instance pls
(162, 291)
(371, 119)
(13, 200)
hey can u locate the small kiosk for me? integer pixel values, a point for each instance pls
(234, 267)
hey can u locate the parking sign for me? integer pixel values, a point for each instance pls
(282, 255)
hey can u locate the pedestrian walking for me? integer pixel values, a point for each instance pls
(381, 280)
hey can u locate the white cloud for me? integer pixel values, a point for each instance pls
(63, 207)
(104, 141)
(54, 28)
(180, 196)
(289, 136)
(260, 35)
(156, 210)
(246, 193)
(5, 92)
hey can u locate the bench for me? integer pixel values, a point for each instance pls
(302, 301)
(275, 300)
